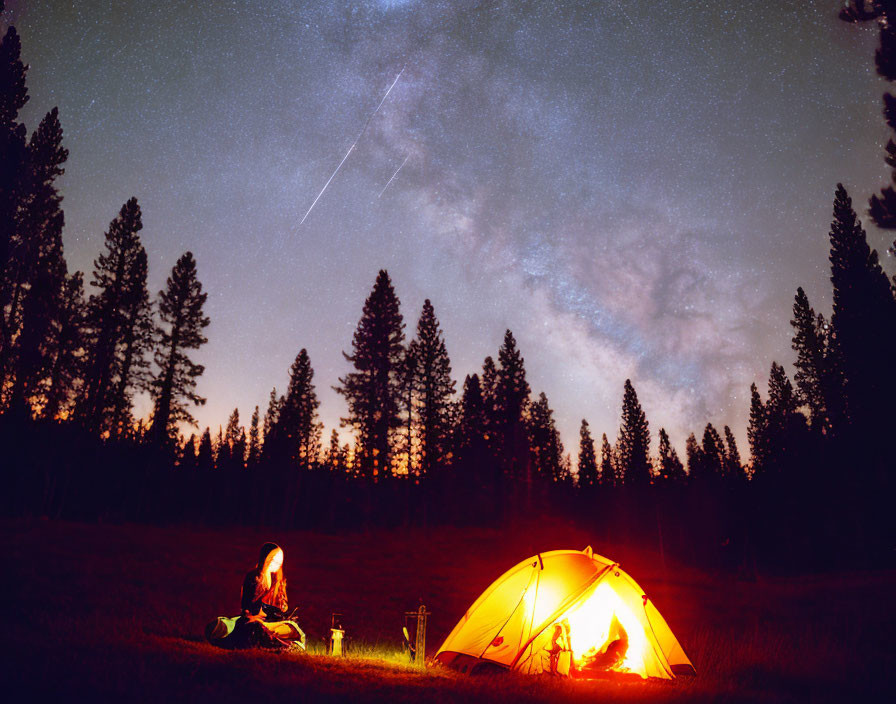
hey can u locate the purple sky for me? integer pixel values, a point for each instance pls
(636, 189)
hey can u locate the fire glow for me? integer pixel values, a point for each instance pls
(601, 625)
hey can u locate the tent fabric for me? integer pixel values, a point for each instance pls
(559, 606)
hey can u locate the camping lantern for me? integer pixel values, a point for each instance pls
(337, 634)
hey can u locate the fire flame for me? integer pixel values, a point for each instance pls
(606, 635)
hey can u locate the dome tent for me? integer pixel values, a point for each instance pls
(568, 612)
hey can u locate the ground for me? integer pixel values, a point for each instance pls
(116, 612)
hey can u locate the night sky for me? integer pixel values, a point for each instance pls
(636, 189)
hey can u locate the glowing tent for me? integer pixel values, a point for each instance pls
(565, 612)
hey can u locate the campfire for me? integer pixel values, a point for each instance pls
(605, 636)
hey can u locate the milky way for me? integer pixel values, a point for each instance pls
(636, 189)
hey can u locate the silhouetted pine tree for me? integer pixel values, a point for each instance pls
(187, 455)
(883, 206)
(757, 434)
(65, 348)
(565, 476)
(435, 389)
(544, 441)
(607, 462)
(253, 454)
(334, 459)
(297, 434)
(713, 455)
(634, 440)
(733, 467)
(488, 382)
(694, 457)
(812, 376)
(271, 415)
(373, 390)
(587, 470)
(13, 96)
(511, 397)
(471, 445)
(114, 273)
(37, 267)
(205, 455)
(864, 328)
(138, 331)
(232, 451)
(180, 308)
(670, 467)
(785, 426)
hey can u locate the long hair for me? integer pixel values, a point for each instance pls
(275, 584)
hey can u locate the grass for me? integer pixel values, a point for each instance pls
(101, 612)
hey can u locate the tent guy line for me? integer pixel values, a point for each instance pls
(352, 148)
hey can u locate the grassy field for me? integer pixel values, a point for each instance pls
(103, 612)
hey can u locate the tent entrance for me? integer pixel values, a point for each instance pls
(600, 635)
(605, 635)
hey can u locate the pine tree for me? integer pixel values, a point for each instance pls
(373, 390)
(435, 389)
(864, 327)
(511, 397)
(634, 440)
(810, 344)
(607, 462)
(37, 269)
(733, 467)
(297, 434)
(227, 439)
(587, 469)
(471, 439)
(271, 416)
(713, 455)
(784, 425)
(187, 455)
(694, 457)
(205, 456)
(488, 383)
(138, 331)
(254, 449)
(757, 433)
(883, 205)
(544, 441)
(180, 308)
(65, 348)
(13, 157)
(113, 276)
(335, 460)
(670, 467)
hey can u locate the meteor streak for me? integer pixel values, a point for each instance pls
(394, 175)
(352, 148)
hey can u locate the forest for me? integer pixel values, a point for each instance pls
(77, 349)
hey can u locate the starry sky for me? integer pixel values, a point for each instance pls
(634, 187)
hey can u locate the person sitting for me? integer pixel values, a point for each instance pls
(264, 621)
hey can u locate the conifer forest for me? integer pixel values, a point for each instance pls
(416, 444)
